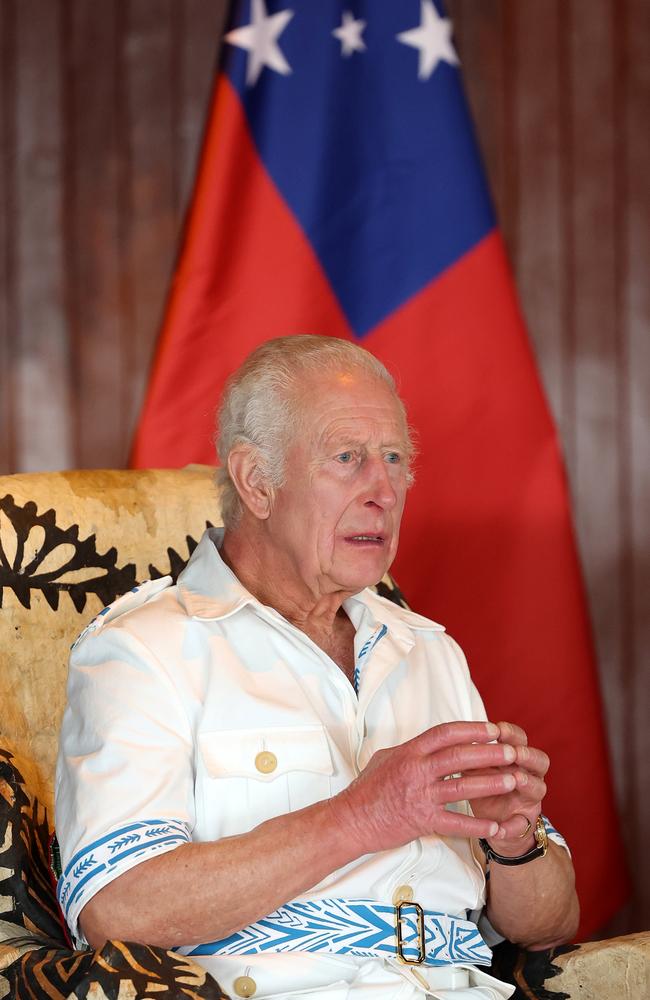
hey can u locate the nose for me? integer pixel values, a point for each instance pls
(381, 486)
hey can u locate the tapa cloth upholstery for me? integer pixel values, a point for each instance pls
(37, 961)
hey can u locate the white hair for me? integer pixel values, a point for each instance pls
(261, 404)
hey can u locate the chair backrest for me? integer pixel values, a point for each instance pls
(70, 543)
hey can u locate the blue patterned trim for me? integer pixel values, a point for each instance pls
(365, 650)
(554, 834)
(360, 927)
(108, 853)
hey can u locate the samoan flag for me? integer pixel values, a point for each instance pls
(340, 192)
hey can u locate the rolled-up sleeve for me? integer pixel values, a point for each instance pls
(125, 774)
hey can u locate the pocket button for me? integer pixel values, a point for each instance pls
(266, 762)
(403, 894)
(244, 986)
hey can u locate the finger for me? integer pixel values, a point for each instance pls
(510, 733)
(530, 786)
(452, 733)
(472, 756)
(533, 760)
(470, 787)
(455, 824)
(517, 827)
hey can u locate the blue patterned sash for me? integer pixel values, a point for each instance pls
(360, 927)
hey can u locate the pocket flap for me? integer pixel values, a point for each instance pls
(265, 754)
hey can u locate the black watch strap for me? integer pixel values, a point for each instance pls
(538, 851)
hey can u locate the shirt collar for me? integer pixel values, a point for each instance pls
(207, 587)
(209, 590)
(397, 619)
(387, 631)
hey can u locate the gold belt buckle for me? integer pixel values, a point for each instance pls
(419, 912)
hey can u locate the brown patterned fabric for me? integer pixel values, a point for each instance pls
(36, 960)
(70, 543)
(532, 973)
(27, 897)
(117, 971)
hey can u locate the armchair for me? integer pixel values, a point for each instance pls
(70, 543)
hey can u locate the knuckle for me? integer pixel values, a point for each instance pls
(453, 787)
(445, 732)
(502, 781)
(454, 760)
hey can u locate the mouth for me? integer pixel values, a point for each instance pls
(365, 539)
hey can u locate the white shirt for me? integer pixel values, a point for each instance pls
(175, 691)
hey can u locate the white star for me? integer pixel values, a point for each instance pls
(349, 34)
(432, 38)
(259, 38)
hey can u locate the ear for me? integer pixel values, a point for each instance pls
(254, 491)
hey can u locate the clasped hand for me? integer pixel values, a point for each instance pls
(403, 792)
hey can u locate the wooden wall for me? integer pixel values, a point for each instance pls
(101, 112)
(561, 95)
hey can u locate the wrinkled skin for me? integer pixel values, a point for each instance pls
(403, 791)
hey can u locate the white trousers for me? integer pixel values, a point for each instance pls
(372, 979)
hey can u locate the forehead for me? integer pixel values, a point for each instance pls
(350, 404)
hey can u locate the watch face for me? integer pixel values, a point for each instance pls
(541, 837)
(538, 851)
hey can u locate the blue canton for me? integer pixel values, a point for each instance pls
(406, 171)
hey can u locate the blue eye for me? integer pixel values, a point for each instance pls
(393, 457)
(345, 457)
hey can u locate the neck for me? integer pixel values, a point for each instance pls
(261, 569)
(320, 616)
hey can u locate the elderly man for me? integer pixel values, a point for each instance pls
(275, 770)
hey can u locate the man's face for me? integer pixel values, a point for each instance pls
(336, 520)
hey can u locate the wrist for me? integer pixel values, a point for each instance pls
(345, 820)
(512, 847)
(511, 852)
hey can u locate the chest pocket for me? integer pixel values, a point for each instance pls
(247, 776)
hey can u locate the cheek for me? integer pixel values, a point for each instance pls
(322, 527)
(399, 485)
(327, 531)
(397, 520)
(330, 520)
(329, 508)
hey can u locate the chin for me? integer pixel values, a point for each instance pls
(356, 581)
(353, 571)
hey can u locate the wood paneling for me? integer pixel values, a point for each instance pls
(94, 258)
(569, 157)
(200, 23)
(102, 107)
(8, 458)
(102, 110)
(632, 102)
(151, 226)
(596, 469)
(41, 369)
(540, 255)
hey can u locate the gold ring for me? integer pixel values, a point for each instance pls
(529, 827)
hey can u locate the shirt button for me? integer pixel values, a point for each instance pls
(403, 894)
(266, 762)
(244, 986)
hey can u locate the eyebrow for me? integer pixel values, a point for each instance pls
(344, 442)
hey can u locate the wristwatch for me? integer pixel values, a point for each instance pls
(538, 851)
